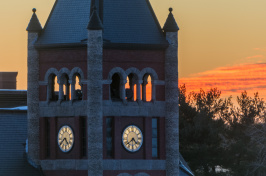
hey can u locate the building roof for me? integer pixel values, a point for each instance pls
(124, 22)
(95, 22)
(170, 24)
(10, 98)
(184, 169)
(34, 24)
(13, 135)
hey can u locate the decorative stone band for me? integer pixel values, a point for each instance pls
(69, 164)
(52, 109)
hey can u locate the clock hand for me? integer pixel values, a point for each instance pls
(135, 141)
(62, 141)
(129, 141)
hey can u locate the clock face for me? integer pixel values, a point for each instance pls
(65, 138)
(132, 138)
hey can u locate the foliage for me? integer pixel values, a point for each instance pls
(216, 134)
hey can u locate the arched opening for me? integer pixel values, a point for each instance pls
(76, 88)
(52, 88)
(131, 87)
(147, 88)
(115, 87)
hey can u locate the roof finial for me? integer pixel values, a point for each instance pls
(170, 9)
(33, 10)
(170, 23)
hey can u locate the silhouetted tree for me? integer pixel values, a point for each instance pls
(201, 130)
(215, 133)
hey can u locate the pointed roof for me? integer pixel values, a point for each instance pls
(123, 21)
(170, 24)
(95, 22)
(34, 24)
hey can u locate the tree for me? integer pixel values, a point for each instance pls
(201, 130)
(215, 133)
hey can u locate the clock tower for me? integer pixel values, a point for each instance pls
(103, 90)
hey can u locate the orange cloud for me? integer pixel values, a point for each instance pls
(230, 80)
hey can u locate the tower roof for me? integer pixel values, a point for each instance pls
(124, 22)
(170, 24)
(95, 21)
(34, 24)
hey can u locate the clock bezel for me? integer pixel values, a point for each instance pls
(70, 148)
(122, 139)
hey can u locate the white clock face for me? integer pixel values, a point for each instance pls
(65, 138)
(132, 138)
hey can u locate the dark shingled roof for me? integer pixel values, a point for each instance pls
(13, 135)
(124, 22)
(34, 24)
(12, 98)
(170, 24)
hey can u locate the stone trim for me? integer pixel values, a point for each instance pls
(140, 76)
(62, 72)
(118, 70)
(150, 71)
(74, 71)
(135, 71)
(78, 108)
(62, 80)
(49, 72)
(134, 164)
(71, 164)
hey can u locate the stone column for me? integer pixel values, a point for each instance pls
(153, 90)
(138, 90)
(123, 90)
(67, 90)
(172, 108)
(61, 91)
(33, 98)
(94, 96)
(48, 91)
(73, 93)
(144, 85)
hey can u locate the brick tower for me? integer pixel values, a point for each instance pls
(103, 90)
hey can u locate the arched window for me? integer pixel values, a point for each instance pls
(147, 89)
(52, 88)
(131, 87)
(76, 87)
(115, 87)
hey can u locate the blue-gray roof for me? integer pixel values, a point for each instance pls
(124, 21)
(13, 135)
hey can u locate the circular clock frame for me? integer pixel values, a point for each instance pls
(132, 138)
(65, 138)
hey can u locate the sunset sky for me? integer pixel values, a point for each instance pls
(222, 43)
